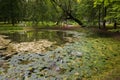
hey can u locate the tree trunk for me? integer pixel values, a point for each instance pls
(67, 12)
(99, 17)
(75, 19)
(115, 24)
(13, 22)
(104, 15)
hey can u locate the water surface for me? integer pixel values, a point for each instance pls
(35, 35)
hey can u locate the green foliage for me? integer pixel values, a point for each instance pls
(41, 10)
(10, 10)
(105, 2)
(68, 10)
(86, 12)
(80, 11)
(10, 28)
(113, 9)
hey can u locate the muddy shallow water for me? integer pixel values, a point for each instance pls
(34, 41)
(36, 35)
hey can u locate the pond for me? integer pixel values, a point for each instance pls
(36, 35)
(89, 57)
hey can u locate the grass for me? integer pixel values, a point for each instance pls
(104, 52)
(10, 28)
(108, 53)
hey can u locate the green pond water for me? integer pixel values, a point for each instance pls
(35, 35)
(92, 56)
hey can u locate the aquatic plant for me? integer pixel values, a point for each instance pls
(86, 58)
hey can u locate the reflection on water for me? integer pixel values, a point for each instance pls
(36, 35)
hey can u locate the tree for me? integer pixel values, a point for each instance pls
(86, 12)
(114, 14)
(67, 9)
(110, 10)
(40, 11)
(101, 4)
(10, 10)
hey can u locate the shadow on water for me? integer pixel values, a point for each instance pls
(35, 35)
(104, 34)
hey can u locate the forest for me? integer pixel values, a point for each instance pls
(85, 13)
(59, 39)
